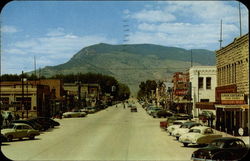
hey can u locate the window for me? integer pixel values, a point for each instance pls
(208, 83)
(204, 100)
(200, 82)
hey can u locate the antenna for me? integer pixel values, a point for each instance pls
(35, 65)
(220, 33)
(191, 58)
(240, 18)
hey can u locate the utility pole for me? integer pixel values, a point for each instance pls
(220, 33)
(22, 101)
(240, 18)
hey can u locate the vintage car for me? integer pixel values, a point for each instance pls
(19, 131)
(224, 148)
(133, 109)
(184, 128)
(171, 119)
(201, 135)
(176, 124)
(74, 113)
(162, 113)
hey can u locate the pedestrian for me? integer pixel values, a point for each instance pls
(124, 105)
(60, 114)
(17, 116)
(9, 118)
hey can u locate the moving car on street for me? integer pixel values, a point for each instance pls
(74, 113)
(184, 128)
(224, 148)
(19, 131)
(201, 135)
(133, 109)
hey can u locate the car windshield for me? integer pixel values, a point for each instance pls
(217, 144)
(195, 131)
(177, 123)
(10, 126)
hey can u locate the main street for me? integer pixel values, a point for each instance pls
(111, 134)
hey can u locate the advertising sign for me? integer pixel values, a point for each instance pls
(232, 98)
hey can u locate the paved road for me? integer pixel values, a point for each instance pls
(111, 134)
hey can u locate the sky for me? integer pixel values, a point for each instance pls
(53, 31)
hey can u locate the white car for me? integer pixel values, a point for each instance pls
(200, 135)
(176, 125)
(74, 113)
(184, 128)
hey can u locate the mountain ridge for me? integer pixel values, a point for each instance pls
(132, 63)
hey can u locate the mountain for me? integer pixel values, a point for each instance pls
(132, 64)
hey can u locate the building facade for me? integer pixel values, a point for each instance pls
(203, 83)
(232, 93)
(181, 92)
(25, 99)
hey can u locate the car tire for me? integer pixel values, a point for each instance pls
(32, 136)
(69, 116)
(185, 144)
(9, 138)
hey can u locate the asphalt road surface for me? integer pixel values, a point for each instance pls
(111, 134)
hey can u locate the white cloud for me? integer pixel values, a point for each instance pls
(51, 49)
(8, 29)
(193, 23)
(153, 16)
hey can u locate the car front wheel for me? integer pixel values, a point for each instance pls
(185, 144)
(10, 138)
(32, 136)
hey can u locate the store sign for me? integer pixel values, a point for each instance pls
(232, 98)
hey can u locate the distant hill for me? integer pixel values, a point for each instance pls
(134, 63)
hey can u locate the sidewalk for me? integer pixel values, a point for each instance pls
(244, 138)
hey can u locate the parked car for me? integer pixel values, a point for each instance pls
(45, 122)
(171, 119)
(176, 124)
(19, 131)
(153, 109)
(201, 135)
(74, 113)
(91, 109)
(133, 109)
(224, 148)
(3, 138)
(184, 128)
(33, 124)
(162, 113)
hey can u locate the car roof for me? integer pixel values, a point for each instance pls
(201, 127)
(20, 124)
(183, 121)
(227, 139)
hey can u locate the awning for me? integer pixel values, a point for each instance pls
(233, 107)
(205, 105)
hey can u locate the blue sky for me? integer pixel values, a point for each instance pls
(53, 31)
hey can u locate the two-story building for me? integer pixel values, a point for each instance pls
(203, 83)
(232, 93)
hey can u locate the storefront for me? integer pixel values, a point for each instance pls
(229, 118)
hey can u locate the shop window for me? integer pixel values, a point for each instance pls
(200, 82)
(208, 83)
(204, 100)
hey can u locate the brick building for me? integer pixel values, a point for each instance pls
(181, 92)
(25, 99)
(232, 92)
